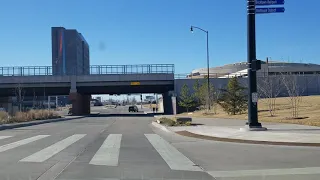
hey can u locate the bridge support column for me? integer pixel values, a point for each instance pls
(80, 104)
(169, 103)
(86, 104)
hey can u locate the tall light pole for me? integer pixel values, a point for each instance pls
(208, 73)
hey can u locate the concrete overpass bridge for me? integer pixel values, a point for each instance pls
(105, 79)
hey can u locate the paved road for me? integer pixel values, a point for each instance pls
(117, 110)
(127, 147)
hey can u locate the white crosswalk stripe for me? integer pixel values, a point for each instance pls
(50, 151)
(4, 137)
(175, 159)
(108, 154)
(21, 142)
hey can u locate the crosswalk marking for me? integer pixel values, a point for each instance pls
(108, 153)
(21, 142)
(175, 159)
(4, 137)
(50, 151)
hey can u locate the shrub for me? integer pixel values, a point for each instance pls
(167, 121)
(175, 121)
(35, 115)
(21, 117)
(4, 117)
(45, 114)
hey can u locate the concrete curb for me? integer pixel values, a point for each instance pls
(157, 125)
(35, 122)
(244, 141)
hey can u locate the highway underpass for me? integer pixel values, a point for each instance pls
(80, 88)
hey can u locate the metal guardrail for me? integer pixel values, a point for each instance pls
(94, 69)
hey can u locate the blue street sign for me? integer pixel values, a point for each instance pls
(269, 2)
(270, 10)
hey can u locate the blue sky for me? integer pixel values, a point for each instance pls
(158, 31)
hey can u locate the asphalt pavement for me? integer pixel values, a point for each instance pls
(120, 145)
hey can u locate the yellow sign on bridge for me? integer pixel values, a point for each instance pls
(135, 83)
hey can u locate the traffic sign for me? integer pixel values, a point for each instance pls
(135, 83)
(270, 10)
(254, 97)
(269, 2)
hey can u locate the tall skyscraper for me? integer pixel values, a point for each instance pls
(70, 52)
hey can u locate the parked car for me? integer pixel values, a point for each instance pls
(133, 109)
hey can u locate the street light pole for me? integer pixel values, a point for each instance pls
(208, 72)
(208, 66)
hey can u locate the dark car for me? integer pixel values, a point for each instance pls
(133, 109)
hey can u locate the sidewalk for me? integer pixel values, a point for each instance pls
(230, 129)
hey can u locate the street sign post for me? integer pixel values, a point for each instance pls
(270, 10)
(269, 2)
(255, 65)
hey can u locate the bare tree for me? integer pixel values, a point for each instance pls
(19, 91)
(269, 89)
(216, 96)
(34, 100)
(133, 100)
(294, 91)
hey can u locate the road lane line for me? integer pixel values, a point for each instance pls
(4, 137)
(108, 153)
(265, 172)
(21, 142)
(175, 159)
(50, 151)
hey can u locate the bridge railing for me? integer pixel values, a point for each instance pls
(132, 69)
(94, 69)
(26, 71)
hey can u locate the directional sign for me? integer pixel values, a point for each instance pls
(269, 2)
(269, 10)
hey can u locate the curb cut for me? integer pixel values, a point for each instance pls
(157, 125)
(36, 122)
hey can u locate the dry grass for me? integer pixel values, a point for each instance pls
(309, 112)
(28, 116)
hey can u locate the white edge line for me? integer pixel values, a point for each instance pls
(160, 126)
(265, 172)
(5, 137)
